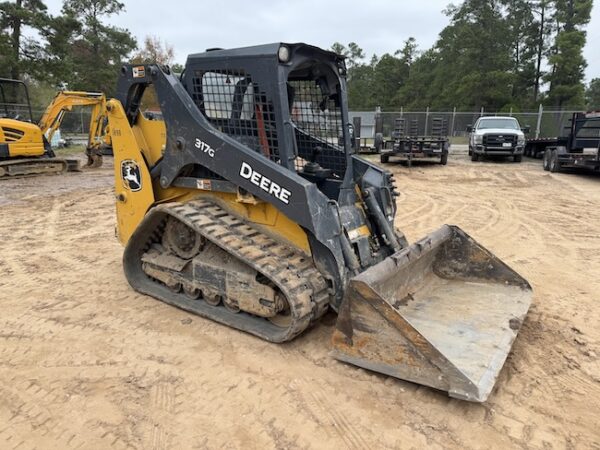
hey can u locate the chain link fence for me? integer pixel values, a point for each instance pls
(75, 125)
(542, 123)
(76, 121)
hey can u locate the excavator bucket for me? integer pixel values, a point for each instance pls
(443, 312)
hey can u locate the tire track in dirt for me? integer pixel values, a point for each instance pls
(137, 373)
(317, 401)
(33, 404)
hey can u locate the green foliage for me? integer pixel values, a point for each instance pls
(353, 54)
(20, 54)
(75, 49)
(592, 95)
(474, 63)
(568, 64)
(376, 83)
(523, 37)
(492, 54)
(41, 94)
(59, 34)
(97, 49)
(496, 54)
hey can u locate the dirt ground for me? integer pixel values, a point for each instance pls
(85, 362)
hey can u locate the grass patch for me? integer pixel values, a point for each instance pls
(70, 151)
(459, 140)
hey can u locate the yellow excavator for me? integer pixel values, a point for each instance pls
(25, 146)
(242, 201)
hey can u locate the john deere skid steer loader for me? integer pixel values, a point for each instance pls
(242, 202)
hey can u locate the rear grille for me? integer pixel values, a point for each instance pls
(12, 134)
(498, 140)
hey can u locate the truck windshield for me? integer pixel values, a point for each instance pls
(508, 124)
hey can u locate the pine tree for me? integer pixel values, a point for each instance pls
(20, 54)
(524, 36)
(98, 49)
(592, 95)
(568, 64)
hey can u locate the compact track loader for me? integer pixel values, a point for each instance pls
(242, 202)
(25, 146)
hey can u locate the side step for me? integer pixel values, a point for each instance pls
(443, 312)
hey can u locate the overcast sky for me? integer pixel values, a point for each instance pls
(378, 26)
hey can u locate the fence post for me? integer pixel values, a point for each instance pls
(401, 111)
(539, 122)
(378, 128)
(453, 121)
(426, 120)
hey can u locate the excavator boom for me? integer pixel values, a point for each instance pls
(98, 136)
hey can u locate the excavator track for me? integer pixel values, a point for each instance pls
(16, 168)
(292, 272)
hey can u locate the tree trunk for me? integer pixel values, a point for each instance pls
(16, 42)
(540, 52)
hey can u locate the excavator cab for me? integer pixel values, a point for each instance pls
(259, 129)
(14, 100)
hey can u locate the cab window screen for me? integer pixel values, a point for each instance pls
(236, 106)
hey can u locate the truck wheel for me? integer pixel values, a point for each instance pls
(546, 163)
(518, 158)
(554, 164)
(474, 157)
(444, 159)
(384, 158)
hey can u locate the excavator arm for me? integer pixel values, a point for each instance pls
(63, 102)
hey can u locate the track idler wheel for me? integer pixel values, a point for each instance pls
(181, 239)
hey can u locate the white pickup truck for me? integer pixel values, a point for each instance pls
(496, 136)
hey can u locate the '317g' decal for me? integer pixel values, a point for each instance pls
(204, 147)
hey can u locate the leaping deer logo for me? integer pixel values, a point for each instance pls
(130, 172)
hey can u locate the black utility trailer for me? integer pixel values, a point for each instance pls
(409, 147)
(580, 148)
(535, 148)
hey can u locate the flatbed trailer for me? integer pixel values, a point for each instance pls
(579, 149)
(535, 148)
(409, 148)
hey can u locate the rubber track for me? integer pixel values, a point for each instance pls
(33, 164)
(292, 271)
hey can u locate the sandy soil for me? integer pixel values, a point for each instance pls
(85, 362)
